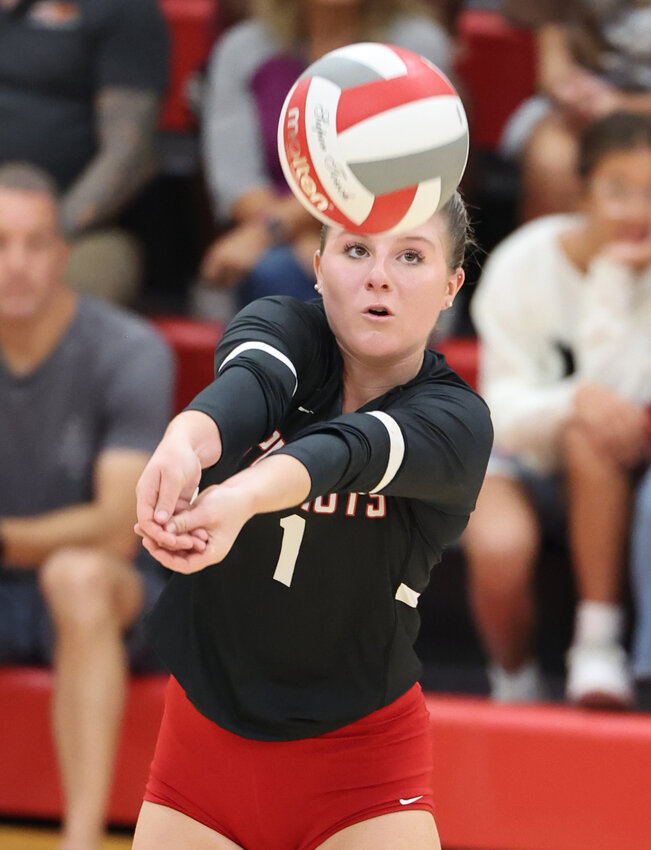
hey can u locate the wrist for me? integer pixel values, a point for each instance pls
(199, 432)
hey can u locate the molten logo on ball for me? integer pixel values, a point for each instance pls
(299, 164)
(373, 137)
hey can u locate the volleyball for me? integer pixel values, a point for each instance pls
(373, 137)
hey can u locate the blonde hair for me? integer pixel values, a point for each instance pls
(285, 17)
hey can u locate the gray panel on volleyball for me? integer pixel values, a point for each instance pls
(389, 175)
(343, 72)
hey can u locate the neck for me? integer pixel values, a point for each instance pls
(25, 344)
(581, 245)
(364, 382)
(329, 27)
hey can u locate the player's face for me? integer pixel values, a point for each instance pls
(32, 253)
(618, 197)
(383, 294)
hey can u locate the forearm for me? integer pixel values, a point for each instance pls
(28, 541)
(123, 164)
(636, 102)
(199, 432)
(266, 205)
(272, 484)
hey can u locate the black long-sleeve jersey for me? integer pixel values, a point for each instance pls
(309, 623)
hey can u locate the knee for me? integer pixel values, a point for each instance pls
(581, 456)
(77, 587)
(551, 149)
(501, 555)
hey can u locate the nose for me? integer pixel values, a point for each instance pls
(378, 276)
(15, 255)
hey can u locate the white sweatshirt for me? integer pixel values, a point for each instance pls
(531, 304)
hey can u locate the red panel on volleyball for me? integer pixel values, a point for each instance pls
(193, 26)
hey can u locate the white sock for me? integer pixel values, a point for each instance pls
(521, 685)
(598, 623)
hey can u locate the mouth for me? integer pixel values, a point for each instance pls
(378, 311)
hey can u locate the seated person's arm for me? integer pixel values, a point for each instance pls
(105, 522)
(263, 218)
(126, 124)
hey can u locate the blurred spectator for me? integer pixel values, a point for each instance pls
(641, 580)
(80, 87)
(270, 246)
(593, 59)
(563, 312)
(84, 397)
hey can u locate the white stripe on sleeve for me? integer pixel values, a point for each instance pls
(407, 595)
(268, 349)
(396, 448)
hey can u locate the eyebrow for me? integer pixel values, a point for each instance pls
(398, 236)
(415, 239)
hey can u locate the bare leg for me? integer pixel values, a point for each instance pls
(161, 828)
(548, 169)
(413, 830)
(599, 506)
(92, 599)
(501, 542)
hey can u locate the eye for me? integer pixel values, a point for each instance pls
(412, 257)
(355, 250)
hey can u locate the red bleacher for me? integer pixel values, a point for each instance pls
(496, 64)
(506, 778)
(193, 27)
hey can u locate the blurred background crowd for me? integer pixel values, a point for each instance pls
(147, 131)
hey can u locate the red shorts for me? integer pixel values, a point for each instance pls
(277, 795)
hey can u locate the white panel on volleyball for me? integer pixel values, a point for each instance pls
(382, 59)
(348, 194)
(425, 200)
(410, 128)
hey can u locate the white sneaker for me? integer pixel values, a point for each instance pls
(598, 677)
(522, 685)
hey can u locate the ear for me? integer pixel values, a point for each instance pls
(317, 271)
(454, 284)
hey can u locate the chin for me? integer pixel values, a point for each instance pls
(17, 311)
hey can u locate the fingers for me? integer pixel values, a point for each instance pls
(169, 541)
(170, 490)
(188, 521)
(182, 561)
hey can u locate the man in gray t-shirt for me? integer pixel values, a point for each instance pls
(85, 393)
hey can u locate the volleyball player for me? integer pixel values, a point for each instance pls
(336, 457)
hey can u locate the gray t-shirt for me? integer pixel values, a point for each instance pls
(54, 60)
(108, 384)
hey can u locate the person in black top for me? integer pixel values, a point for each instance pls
(81, 84)
(293, 612)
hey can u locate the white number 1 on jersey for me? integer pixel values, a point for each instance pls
(293, 527)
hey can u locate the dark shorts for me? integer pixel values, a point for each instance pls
(275, 795)
(26, 631)
(546, 492)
